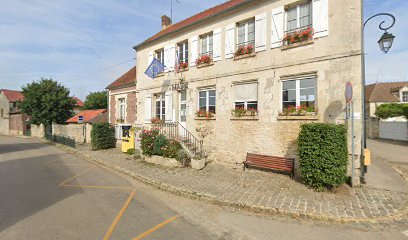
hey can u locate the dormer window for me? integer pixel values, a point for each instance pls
(404, 97)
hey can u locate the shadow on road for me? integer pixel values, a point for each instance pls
(28, 185)
(17, 147)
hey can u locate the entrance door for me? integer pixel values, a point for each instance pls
(183, 112)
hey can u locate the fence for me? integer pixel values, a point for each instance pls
(67, 141)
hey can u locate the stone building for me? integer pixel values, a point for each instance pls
(12, 120)
(122, 102)
(236, 73)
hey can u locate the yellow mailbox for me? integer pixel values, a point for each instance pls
(367, 157)
(128, 142)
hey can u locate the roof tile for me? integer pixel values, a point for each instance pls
(87, 114)
(12, 95)
(125, 80)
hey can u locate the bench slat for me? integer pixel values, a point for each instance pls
(270, 162)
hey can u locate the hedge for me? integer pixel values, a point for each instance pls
(390, 110)
(102, 136)
(322, 149)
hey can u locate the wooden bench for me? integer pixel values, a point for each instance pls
(282, 164)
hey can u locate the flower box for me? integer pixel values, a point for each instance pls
(182, 67)
(298, 44)
(205, 65)
(298, 38)
(245, 118)
(204, 61)
(299, 117)
(197, 163)
(244, 51)
(249, 55)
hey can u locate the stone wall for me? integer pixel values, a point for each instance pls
(373, 127)
(37, 131)
(80, 132)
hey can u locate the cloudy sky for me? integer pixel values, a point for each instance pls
(88, 44)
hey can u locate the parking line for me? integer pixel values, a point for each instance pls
(79, 174)
(115, 222)
(92, 186)
(158, 226)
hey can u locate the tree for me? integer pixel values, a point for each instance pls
(96, 100)
(47, 101)
(390, 110)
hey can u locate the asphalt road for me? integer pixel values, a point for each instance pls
(46, 193)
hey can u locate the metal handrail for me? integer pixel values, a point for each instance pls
(177, 131)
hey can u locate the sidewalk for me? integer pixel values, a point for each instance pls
(258, 190)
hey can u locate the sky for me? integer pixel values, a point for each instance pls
(86, 45)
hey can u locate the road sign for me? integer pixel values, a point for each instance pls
(80, 119)
(349, 92)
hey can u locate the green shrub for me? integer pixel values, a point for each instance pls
(405, 110)
(390, 110)
(130, 151)
(172, 149)
(102, 136)
(160, 145)
(147, 138)
(322, 149)
(183, 157)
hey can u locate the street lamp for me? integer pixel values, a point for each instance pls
(385, 44)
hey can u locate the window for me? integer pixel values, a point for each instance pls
(183, 52)
(161, 107)
(404, 97)
(298, 17)
(206, 100)
(122, 111)
(160, 55)
(246, 33)
(206, 43)
(122, 131)
(246, 96)
(299, 92)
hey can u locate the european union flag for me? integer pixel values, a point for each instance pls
(155, 68)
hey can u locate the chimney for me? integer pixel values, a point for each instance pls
(166, 21)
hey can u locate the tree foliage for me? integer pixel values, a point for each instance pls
(390, 110)
(322, 149)
(47, 101)
(96, 100)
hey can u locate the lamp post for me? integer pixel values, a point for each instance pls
(385, 44)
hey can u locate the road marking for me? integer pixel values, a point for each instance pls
(79, 174)
(158, 226)
(69, 164)
(91, 186)
(405, 233)
(115, 222)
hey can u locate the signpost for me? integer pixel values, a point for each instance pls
(350, 114)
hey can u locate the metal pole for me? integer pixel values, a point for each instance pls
(352, 144)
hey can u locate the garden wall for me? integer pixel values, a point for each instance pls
(80, 132)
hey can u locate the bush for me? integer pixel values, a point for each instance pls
(322, 149)
(183, 157)
(405, 110)
(130, 151)
(102, 136)
(147, 138)
(390, 110)
(172, 148)
(160, 145)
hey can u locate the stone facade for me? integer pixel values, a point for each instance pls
(37, 131)
(80, 132)
(4, 117)
(331, 59)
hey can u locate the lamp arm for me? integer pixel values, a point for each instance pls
(381, 26)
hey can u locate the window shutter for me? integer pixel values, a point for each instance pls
(277, 26)
(166, 58)
(217, 45)
(150, 58)
(320, 14)
(169, 106)
(260, 32)
(194, 50)
(172, 57)
(148, 108)
(229, 41)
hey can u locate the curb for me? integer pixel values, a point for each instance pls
(211, 199)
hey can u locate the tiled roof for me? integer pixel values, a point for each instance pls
(129, 78)
(101, 118)
(79, 103)
(87, 114)
(196, 18)
(12, 95)
(383, 92)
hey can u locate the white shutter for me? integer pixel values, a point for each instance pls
(277, 26)
(166, 58)
(169, 106)
(171, 57)
(229, 40)
(194, 50)
(260, 32)
(320, 14)
(148, 108)
(217, 45)
(150, 58)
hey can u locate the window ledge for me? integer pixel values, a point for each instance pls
(205, 65)
(183, 70)
(245, 118)
(298, 44)
(295, 117)
(249, 55)
(204, 118)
